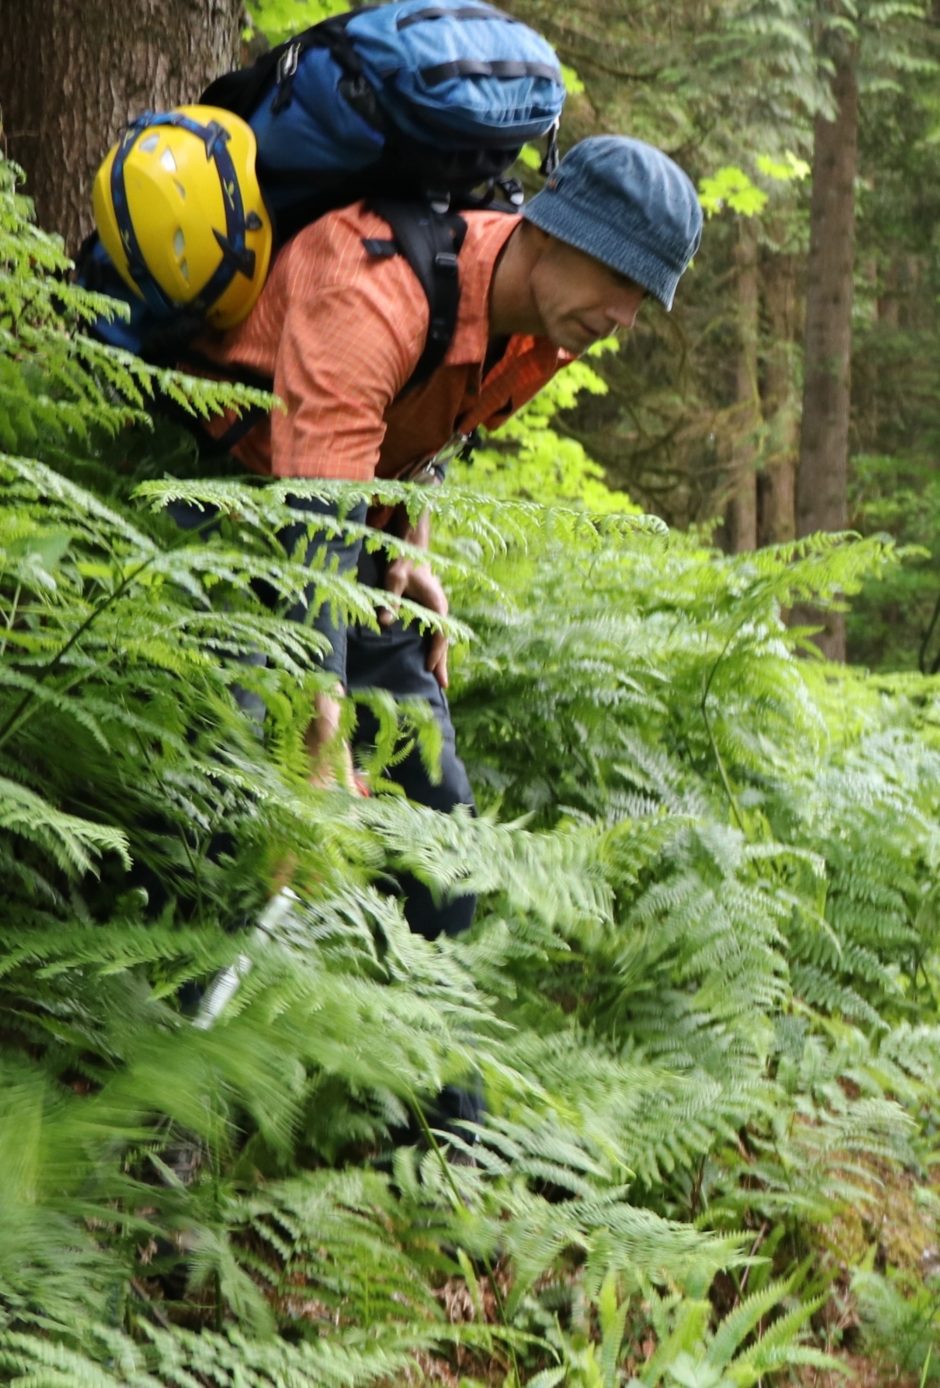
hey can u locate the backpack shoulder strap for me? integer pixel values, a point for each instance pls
(430, 241)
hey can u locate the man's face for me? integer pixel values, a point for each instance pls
(578, 299)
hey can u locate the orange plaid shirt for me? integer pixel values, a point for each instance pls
(339, 332)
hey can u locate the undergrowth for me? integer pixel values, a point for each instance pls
(700, 995)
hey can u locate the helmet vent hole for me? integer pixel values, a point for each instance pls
(179, 244)
(167, 161)
(184, 270)
(149, 144)
(179, 188)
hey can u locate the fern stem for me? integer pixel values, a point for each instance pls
(449, 1177)
(703, 705)
(13, 721)
(11, 618)
(435, 1146)
(153, 1309)
(759, 1239)
(186, 536)
(719, 762)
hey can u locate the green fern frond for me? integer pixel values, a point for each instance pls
(73, 843)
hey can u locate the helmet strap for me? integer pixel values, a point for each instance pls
(237, 258)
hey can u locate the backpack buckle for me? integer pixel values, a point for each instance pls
(287, 63)
(551, 158)
(512, 190)
(284, 73)
(446, 261)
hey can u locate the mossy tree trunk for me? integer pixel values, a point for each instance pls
(743, 463)
(821, 494)
(777, 482)
(71, 74)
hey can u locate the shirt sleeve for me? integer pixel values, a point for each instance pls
(354, 328)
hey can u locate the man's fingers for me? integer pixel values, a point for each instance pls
(436, 662)
(425, 588)
(398, 577)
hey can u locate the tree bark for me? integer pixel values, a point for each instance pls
(777, 482)
(821, 502)
(72, 74)
(742, 507)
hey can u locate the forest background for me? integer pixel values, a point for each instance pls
(702, 991)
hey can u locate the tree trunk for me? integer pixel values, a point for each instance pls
(824, 442)
(777, 482)
(742, 508)
(888, 305)
(72, 74)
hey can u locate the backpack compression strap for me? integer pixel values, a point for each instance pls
(236, 257)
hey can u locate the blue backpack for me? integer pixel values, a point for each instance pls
(414, 106)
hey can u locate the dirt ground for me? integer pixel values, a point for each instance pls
(860, 1373)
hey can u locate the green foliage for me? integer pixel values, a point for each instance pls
(899, 1314)
(806, 910)
(700, 995)
(731, 187)
(894, 626)
(693, 1356)
(277, 20)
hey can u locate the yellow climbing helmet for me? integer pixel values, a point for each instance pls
(179, 211)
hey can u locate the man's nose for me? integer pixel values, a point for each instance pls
(623, 309)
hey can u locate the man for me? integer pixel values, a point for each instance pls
(340, 331)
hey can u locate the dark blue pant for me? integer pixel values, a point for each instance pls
(393, 659)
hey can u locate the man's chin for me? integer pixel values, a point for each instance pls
(576, 338)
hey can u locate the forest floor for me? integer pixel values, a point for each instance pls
(858, 1373)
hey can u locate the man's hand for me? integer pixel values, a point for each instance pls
(405, 579)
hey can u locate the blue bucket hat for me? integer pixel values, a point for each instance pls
(628, 205)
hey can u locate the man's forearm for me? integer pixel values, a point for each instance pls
(419, 533)
(330, 756)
